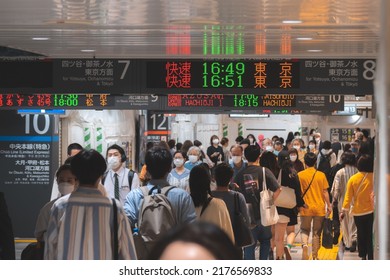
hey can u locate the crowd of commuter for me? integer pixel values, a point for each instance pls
(101, 214)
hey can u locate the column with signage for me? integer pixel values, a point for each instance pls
(158, 127)
(29, 158)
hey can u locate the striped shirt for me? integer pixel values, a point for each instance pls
(80, 228)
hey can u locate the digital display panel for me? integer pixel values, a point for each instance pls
(239, 75)
(65, 101)
(188, 76)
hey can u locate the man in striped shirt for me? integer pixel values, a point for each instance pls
(81, 223)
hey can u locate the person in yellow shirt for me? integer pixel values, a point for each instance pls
(314, 187)
(359, 194)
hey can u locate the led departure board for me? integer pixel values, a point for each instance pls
(188, 76)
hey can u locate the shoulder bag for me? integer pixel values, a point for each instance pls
(286, 198)
(242, 234)
(268, 213)
(115, 233)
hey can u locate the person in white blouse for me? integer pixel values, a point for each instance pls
(179, 176)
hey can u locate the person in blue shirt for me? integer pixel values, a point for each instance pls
(159, 163)
(194, 153)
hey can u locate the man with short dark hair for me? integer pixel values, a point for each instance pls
(81, 223)
(73, 149)
(314, 187)
(118, 178)
(250, 181)
(159, 163)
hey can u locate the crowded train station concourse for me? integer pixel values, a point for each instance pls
(178, 129)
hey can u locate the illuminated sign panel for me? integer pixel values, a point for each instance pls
(184, 76)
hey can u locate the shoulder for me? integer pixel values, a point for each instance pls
(217, 202)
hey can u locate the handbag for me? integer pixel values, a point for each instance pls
(286, 198)
(327, 233)
(242, 234)
(33, 251)
(353, 198)
(268, 213)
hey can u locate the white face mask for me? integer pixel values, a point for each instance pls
(311, 147)
(297, 147)
(236, 159)
(178, 162)
(269, 148)
(215, 141)
(318, 139)
(193, 158)
(293, 158)
(65, 188)
(113, 163)
(201, 147)
(251, 140)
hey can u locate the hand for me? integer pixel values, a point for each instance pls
(341, 216)
(329, 209)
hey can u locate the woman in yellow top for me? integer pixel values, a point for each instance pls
(360, 191)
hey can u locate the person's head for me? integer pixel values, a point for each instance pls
(278, 146)
(312, 131)
(239, 139)
(317, 137)
(355, 147)
(236, 152)
(194, 154)
(296, 144)
(224, 142)
(348, 158)
(199, 182)
(284, 160)
(290, 136)
(163, 145)
(347, 147)
(312, 145)
(359, 135)
(195, 241)
(252, 153)
(297, 135)
(198, 143)
(115, 157)
(268, 159)
(251, 138)
(267, 145)
(73, 149)
(310, 159)
(260, 137)
(326, 145)
(293, 154)
(179, 145)
(88, 166)
(245, 143)
(223, 173)
(214, 140)
(275, 138)
(171, 143)
(186, 145)
(66, 180)
(158, 162)
(179, 158)
(365, 163)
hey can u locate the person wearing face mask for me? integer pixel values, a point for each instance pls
(67, 182)
(237, 162)
(317, 138)
(118, 180)
(297, 145)
(215, 151)
(278, 147)
(252, 139)
(297, 164)
(179, 176)
(193, 154)
(312, 147)
(267, 145)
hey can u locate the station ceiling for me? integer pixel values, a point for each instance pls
(190, 28)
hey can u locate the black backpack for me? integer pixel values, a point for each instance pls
(131, 176)
(324, 164)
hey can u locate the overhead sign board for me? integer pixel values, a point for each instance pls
(183, 76)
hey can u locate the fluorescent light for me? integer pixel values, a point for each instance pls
(314, 51)
(292, 21)
(304, 38)
(40, 38)
(88, 50)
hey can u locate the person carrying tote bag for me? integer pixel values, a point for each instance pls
(268, 213)
(287, 197)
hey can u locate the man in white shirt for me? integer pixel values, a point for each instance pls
(119, 180)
